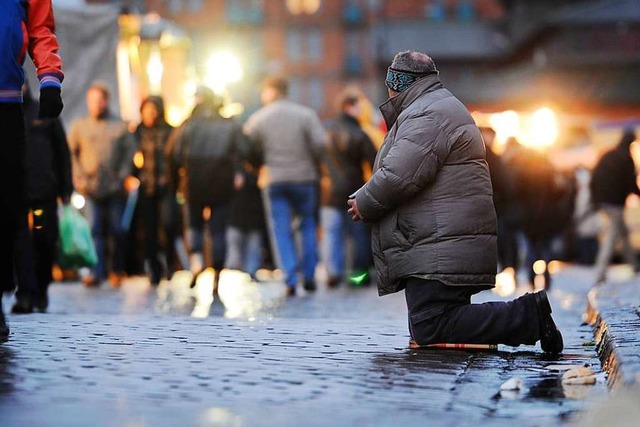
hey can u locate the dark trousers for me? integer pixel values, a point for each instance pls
(508, 235)
(106, 224)
(149, 207)
(217, 227)
(35, 253)
(12, 172)
(444, 314)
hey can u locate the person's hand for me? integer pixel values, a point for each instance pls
(353, 210)
(131, 183)
(238, 181)
(50, 103)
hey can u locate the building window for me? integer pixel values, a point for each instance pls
(352, 13)
(195, 6)
(315, 45)
(174, 6)
(244, 11)
(295, 90)
(316, 94)
(294, 46)
(466, 11)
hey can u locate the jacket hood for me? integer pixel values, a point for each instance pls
(392, 108)
(628, 136)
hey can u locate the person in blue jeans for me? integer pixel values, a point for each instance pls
(290, 138)
(348, 151)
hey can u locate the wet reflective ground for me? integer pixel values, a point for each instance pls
(139, 356)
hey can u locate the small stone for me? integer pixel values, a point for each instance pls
(512, 384)
(579, 376)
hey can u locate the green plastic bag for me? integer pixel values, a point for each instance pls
(76, 247)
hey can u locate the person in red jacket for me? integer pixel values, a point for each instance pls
(25, 26)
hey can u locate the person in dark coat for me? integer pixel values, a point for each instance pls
(247, 228)
(209, 150)
(613, 180)
(503, 200)
(430, 204)
(543, 217)
(151, 138)
(348, 149)
(48, 179)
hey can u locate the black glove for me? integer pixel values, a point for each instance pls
(50, 103)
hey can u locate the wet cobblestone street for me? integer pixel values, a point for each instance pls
(134, 357)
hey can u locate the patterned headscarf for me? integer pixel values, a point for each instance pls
(400, 80)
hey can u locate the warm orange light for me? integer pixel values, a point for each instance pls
(306, 7)
(138, 160)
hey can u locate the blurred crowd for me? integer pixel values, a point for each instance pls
(271, 194)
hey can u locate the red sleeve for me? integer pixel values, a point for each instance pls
(43, 44)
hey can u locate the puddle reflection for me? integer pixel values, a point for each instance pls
(241, 296)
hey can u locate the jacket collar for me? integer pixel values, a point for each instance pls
(392, 108)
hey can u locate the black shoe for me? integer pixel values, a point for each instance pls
(550, 336)
(291, 291)
(4, 328)
(333, 282)
(22, 307)
(309, 285)
(41, 304)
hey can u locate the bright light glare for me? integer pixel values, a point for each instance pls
(506, 124)
(539, 267)
(154, 72)
(77, 200)
(222, 68)
(505, 282)
(543, 128)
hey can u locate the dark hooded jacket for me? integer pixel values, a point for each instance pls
(614, 176)
(211, 149)
(430, 198)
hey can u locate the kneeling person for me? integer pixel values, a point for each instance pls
(433, 221)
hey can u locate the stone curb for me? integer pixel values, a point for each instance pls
(616, 329)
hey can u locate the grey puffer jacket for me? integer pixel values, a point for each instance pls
(430, 197)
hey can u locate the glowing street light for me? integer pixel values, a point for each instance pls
(506, 124)
(543, 128)
(221, 69)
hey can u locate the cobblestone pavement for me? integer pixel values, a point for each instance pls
(138, 357)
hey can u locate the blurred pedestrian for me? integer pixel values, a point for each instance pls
(539, 196)
(247, 227)
(25, 26)
(210, 150)
(586, 221)
(101, 151)
(291, 138)
(48, 178)
(347, 148)
(151, 137)
(613, 180)
(434, 225)
(501, 184)
(369, 121)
